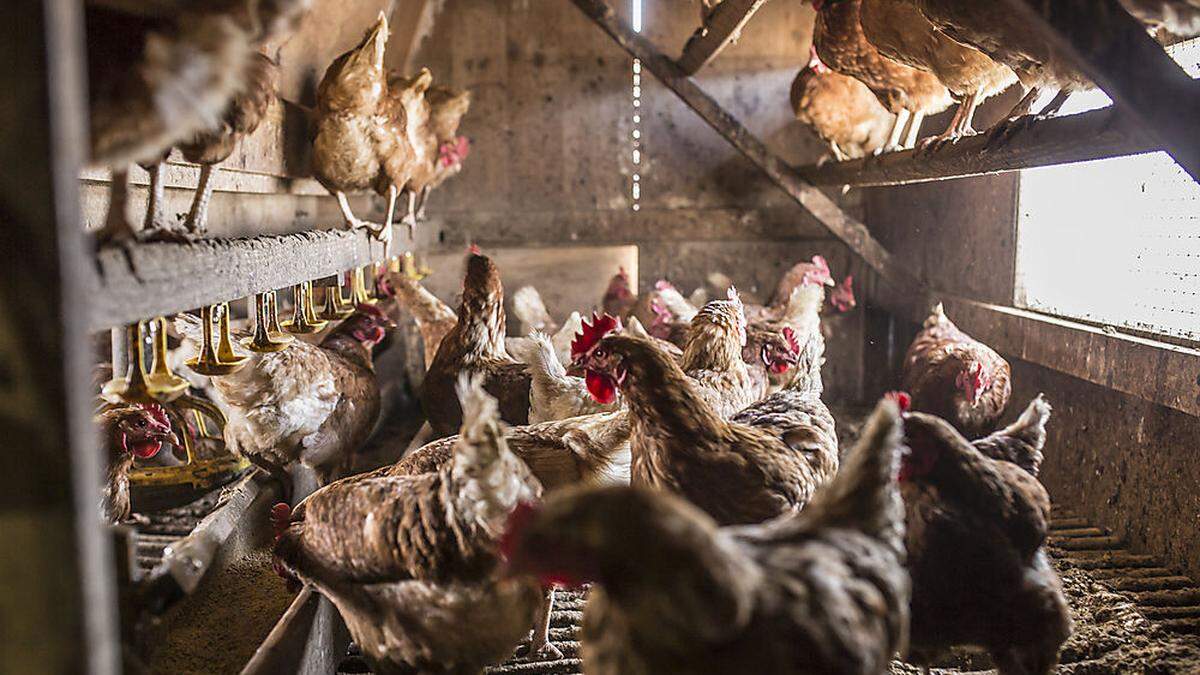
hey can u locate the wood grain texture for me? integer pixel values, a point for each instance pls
(171, 278)
(1098, 134)
(908, 296)
(722, 29)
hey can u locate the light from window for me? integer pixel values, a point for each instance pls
(1113, 241)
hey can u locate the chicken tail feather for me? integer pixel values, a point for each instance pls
(530, 309)
(864, 495)
(1022, 441)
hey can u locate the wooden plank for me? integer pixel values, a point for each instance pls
(57, 594)
(411, 23)
(1098, 134)
(1153, 371)
(724, 25)
(1115, 51)
(171, 278)
(904, 292)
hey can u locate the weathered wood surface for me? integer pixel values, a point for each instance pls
(171, 278)
(1113, 48)
(903, 291)
(1152, 371)
(722, 29)
(57, 600)
(1098, 134)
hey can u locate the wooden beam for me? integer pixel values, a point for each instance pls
(1115, 51)
(721, 29)
(170, 278)
(411, 22)
(1098, 134)
(1154, 371)
(57, 605)
(903, 291)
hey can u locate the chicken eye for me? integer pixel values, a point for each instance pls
(600, 352)
(141, 424)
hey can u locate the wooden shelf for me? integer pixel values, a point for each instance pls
(1088, 136)
(169, 278)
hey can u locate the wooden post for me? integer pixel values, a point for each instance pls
(902, 292)
(1115, 51)
(721, 29)
(57, 604)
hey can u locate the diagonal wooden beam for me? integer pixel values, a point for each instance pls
(718, 32)
(903, 292)
(1115, 51)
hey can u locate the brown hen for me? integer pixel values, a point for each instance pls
(476, 345)
(954, 376)
(822, 591)
(360, 130)
(410, 561)
(907, 92)
(129, 431)
(976, 534)
(901, 33)
(841, 110)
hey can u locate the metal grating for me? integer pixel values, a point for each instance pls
(1113, 241)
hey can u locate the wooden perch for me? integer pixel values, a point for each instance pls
(1098, 134)
(1113, 48)
(903, 292)
(171, 278)
(719, 31)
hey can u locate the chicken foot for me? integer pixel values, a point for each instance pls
(914, 128)
(1019, 119)
(421, 202)
(959, 126)
(276, 471)
(117, 230)
(156, 227)
(898, 126)
(198, 215)
(410, 218)
(539, 647)
(381, 232)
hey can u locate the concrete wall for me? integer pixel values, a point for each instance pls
(1129, 464)
(551, 161)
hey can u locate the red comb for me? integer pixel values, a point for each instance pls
(518, 520)
(901, 399)
(473, 249)
(281, 518)
(790, 336)
(592, 333)
(157, 412)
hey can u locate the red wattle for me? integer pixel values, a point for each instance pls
(145, 449)
(602, 387)
(779, 367)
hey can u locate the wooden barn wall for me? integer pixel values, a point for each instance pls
(551, 163)
(1129, 463)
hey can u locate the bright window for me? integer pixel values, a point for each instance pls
(1113, 241)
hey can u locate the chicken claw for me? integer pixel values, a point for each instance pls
(382, 232)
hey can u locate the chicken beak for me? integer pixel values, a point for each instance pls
(378, 38)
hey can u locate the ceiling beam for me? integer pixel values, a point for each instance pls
(720, 30)
(902, 292)
(1115, 51)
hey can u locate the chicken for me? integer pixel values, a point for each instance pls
(434, 318)
(554, 395)
(308, 403)
(476, 345)
(908, 93)
(419, 126)
(1179, 17)
(901, 33)
(157, 76)
(680, 307)
(531, 311)
(1003, 36)
(446, 110)
(636, 329)
(712, 356)
(1022, 441)
(769, 355)
(841, 110)
(736, 471)
(129, 431)
(522, 347)
(976, 534)
(213, 146)
(821, 591)
(410, 560)
(619, 299)
(954, 376)
(360, 130)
